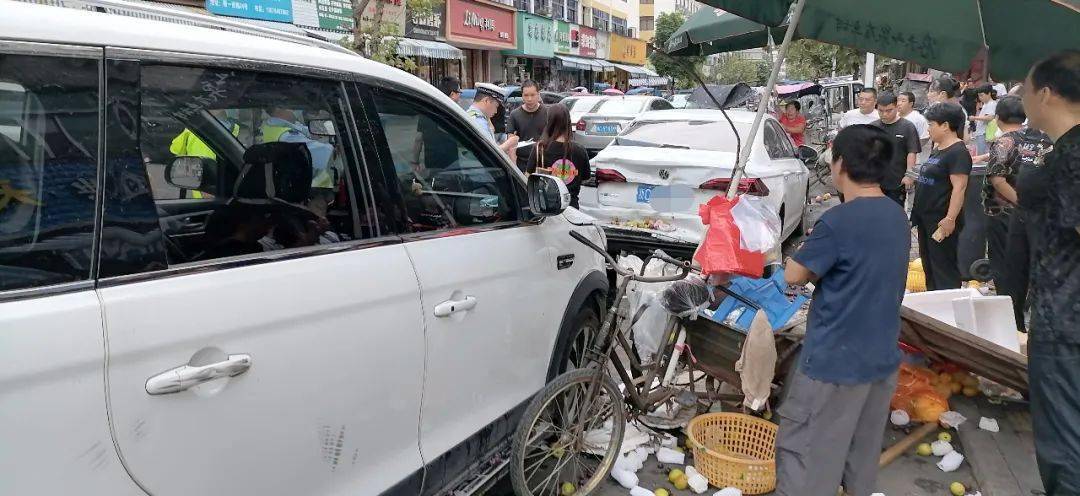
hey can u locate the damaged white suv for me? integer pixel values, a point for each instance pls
(236, 261)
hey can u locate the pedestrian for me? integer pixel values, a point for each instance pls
(528, 120)
(905, 105)
(451, 87)
(1052, 104)
(1014, 159)
(837, 403)
(899, 176)
(556, 153)
(946, 90)
(794, 122)
(866, 112)
(939, 197)
(489, 98)
(987, 113)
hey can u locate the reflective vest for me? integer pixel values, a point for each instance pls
(271, 133)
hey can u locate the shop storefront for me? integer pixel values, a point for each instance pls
(627, 55)
(423, 42)
(535, 48)
(575, 52)
(481, 30)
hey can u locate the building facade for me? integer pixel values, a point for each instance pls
(651, 10)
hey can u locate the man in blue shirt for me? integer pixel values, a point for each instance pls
(834, 414)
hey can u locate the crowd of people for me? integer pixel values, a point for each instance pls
(857, 256)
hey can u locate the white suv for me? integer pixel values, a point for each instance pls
(233, 264)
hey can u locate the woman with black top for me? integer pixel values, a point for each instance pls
(557, 155)
(940, 197)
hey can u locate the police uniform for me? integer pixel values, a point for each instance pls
(478, 117)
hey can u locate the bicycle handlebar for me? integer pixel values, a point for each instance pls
(683, 266)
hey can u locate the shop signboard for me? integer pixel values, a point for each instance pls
(536, 36)
(336, 15)
(566, 38)
(603, 45)
(480, 24)
(267, 10)
(586, 41)
(425, 27)
(626, 50)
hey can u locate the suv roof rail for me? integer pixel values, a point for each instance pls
(153, 12)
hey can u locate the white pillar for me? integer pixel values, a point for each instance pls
(868, 73)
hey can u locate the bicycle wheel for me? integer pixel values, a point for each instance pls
(551, 448)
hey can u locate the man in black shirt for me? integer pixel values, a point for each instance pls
(1052, 103)
(906, 147)
(528, 120)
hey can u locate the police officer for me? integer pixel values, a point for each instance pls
(188, 144)
(485, 105)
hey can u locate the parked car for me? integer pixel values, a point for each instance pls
(695, 149)
(241, 262)
(680, 100)
(597, 128)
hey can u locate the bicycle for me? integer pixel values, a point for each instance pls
(552, 446)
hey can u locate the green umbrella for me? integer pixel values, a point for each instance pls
(712, 31)
(943, 34)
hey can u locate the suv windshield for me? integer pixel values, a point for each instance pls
(617, 106)
(692, 134)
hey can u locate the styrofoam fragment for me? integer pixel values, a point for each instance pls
(698, 483)
(899, 418)
(730, 491)
(668, 455)
(951, 419)
(640, 491)
(988, 424)
(941, 448)
(951, 461)
(625, 478)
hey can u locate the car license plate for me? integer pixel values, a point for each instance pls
(644, 193)
(607, 129)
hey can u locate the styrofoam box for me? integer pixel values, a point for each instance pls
(990, 318)
(938, 304)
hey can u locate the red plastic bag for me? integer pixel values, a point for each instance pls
(721, 252)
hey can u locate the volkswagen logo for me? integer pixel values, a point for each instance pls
(664, 174)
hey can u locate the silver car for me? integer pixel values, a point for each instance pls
(596, 129)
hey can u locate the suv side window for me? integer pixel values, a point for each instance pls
(48, 168)
(447, 179)
(786, 146)
(772, 142)
(241, 162)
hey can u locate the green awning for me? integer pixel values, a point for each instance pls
(712, 30)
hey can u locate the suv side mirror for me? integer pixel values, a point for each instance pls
(548, 195)
(192, 173)
(808, 155)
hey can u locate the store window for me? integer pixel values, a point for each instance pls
(447, 180)
(243, 162)
(48, 168)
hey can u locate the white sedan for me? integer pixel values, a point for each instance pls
(689, 155)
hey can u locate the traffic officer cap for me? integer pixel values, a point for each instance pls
(488, 89)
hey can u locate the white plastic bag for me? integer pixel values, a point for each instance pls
(951, 461)
(759, 225)
(899, 418)
(951, 419)
(941, 448)
(988, 424)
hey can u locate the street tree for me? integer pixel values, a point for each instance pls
(679, 68)
(809, 60)
(731, 68)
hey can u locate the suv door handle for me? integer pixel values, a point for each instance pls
(186, 376)
(450, 307)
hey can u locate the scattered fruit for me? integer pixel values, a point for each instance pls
(970, 392)
(945, 436)
(959, 377)
(970, 381)
(956, 387)
(558, 452)
(661, 492)
(924, 449)
(568, 489)
(682, 482)
(957, 489)
(674, 474)
(944, 378)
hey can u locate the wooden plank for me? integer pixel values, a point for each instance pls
(894, 451)
(1015, 443)
(940, 340)
(981, 451)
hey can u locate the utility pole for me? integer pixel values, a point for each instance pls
(868, 73)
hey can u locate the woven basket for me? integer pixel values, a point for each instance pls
(736, 450)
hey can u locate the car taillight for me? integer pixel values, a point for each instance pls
(609, 176)
(755, 187)
(580, 125)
